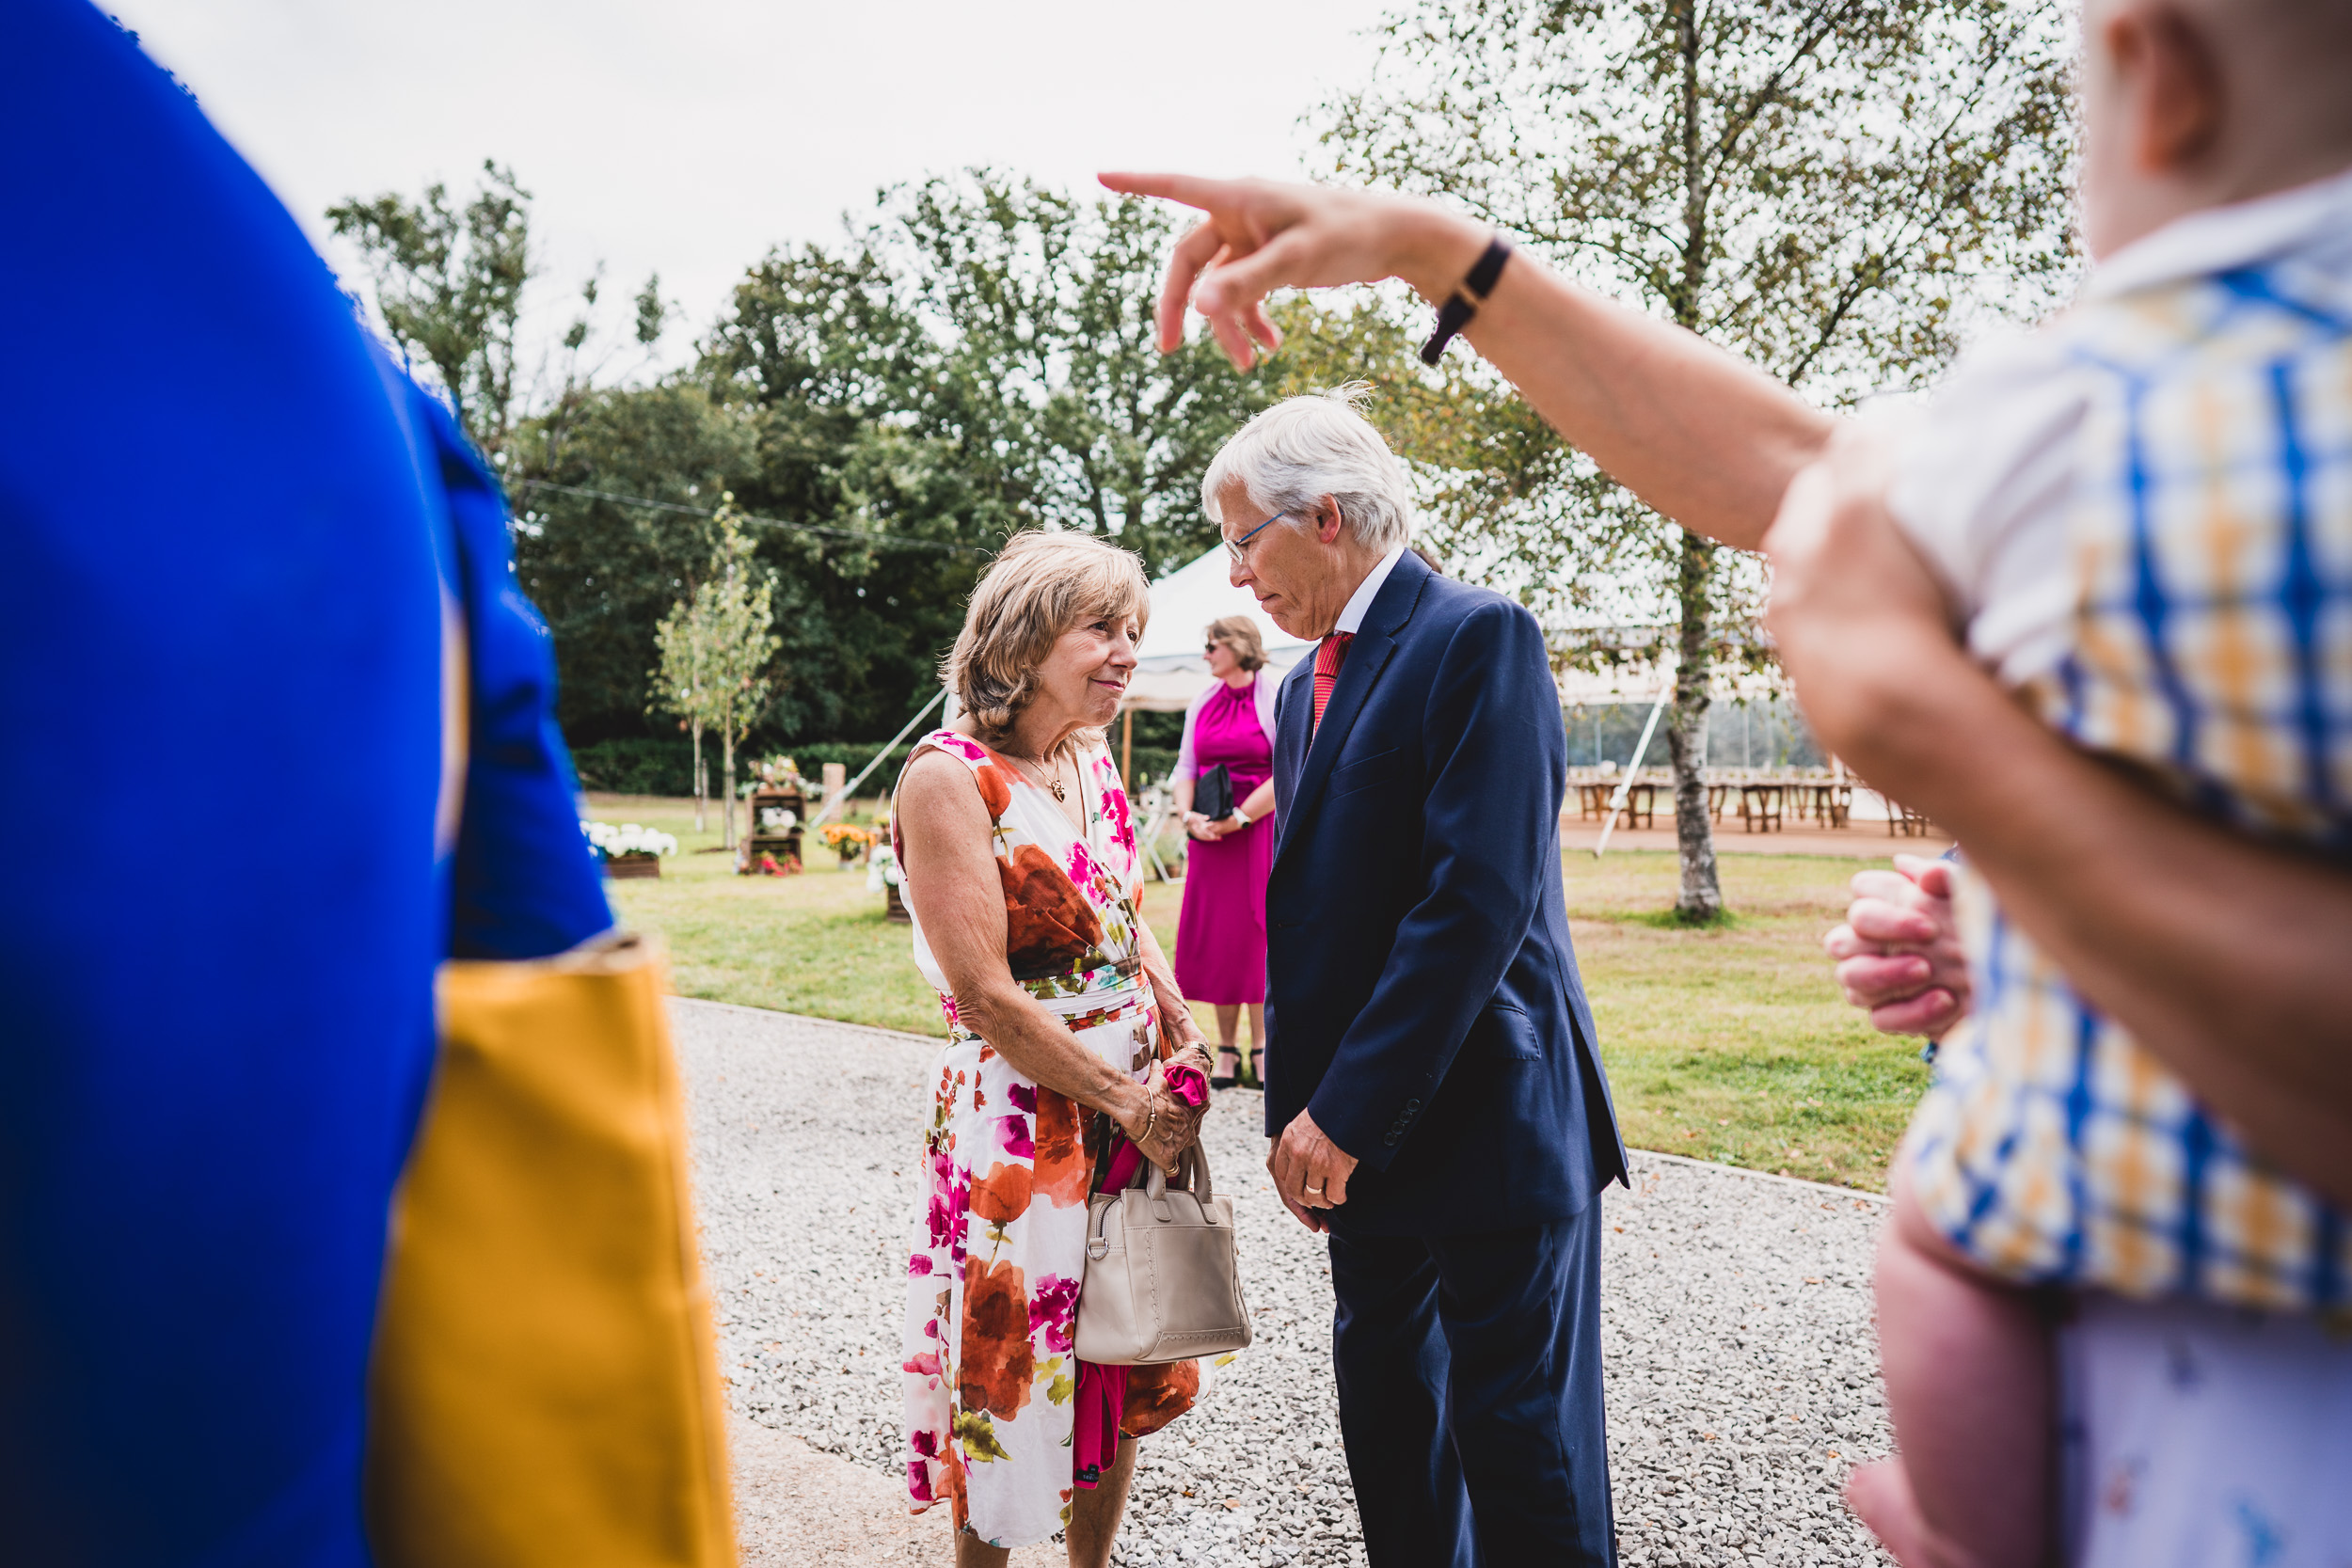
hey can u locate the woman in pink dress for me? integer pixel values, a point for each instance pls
(1220, 936)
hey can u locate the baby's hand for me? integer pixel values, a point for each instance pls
(1899, 953)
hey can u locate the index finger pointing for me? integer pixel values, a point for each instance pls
(1190, 189)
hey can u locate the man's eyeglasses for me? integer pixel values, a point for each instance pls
(1238, 549)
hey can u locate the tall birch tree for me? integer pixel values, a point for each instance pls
(1837, 190)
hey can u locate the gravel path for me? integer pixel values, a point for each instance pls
(1735, 1317)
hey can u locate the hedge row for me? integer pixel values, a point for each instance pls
(661, 766)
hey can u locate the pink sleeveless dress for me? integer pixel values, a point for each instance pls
(1221, 937)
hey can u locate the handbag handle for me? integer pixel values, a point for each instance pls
(1195, 1165)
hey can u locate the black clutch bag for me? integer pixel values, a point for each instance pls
(1212, 793)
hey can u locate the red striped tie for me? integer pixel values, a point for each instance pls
(1329, 655)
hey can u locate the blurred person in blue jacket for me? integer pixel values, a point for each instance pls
(278, 739)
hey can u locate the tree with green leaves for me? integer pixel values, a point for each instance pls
(1834, 189)
(1048, 357)
(822, 358)
(449, 288)
(448, 285)
(717, 644)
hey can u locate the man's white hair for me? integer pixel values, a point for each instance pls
(1304, 449)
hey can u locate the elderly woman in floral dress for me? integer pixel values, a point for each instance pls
(1021, 869)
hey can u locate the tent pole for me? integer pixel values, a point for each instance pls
(1641, 750)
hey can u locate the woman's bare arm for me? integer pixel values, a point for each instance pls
(1698, 434)
(952, 882)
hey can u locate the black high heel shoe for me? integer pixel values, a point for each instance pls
(1222, 1080)
(1257, 1067)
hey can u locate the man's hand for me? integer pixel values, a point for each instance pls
(1258, 236)
(1899, 952)
(1309, 1171)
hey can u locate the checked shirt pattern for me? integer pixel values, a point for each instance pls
(2212, 650)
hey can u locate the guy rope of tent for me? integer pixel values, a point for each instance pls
(1625, 785)
(851, 788)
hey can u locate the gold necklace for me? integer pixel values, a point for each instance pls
(1053, 783)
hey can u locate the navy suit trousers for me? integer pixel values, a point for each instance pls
(1469, 1371)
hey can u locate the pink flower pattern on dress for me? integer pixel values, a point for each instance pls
(1054, 1311)
(1115, 810)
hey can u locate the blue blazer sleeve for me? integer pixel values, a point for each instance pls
(525, 884)
(1497, 762)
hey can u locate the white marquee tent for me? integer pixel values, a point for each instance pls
(1171, 670)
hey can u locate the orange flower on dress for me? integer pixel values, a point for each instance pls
(1157, 1395)
(1002, 1195)
(995, 789)
(1049, 925)
(997, 1365)
(1063, 1170)
(956, 1492)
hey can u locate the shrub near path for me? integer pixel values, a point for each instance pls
(1728, 1043)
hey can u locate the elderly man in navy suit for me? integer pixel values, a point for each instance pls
(1434, 1087)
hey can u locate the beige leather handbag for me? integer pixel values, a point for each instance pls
(1163, 1281)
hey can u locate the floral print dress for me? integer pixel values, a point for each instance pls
(1000, 1249)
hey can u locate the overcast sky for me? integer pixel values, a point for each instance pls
(690, 136)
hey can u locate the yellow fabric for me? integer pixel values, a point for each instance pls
(545, 1385)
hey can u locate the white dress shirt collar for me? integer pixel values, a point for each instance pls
(1359, 603)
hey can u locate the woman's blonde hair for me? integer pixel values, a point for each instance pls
(1039, 587)
(1240, 633)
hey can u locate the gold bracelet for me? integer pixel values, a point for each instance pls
(1151, 1118)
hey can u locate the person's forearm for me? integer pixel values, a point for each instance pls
(1182, 796)
(2225, 959)
(1702, 437)
(1037, 1046)
(1261, 802)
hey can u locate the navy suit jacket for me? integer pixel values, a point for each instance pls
(1421, 997)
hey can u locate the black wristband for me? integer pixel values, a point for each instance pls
(1455, 313)
(1480, 280)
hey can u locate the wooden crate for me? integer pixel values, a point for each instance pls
(764, 838)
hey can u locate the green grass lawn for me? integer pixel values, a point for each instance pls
(1728, 1043)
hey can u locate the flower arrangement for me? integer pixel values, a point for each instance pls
(770, 866)
(778, 819)
(780, 773)
(626, 842)
(845, 839)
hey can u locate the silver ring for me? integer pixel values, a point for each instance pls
(1316, 1189)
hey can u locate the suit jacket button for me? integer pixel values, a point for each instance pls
(1393, 1137)
(1411, 1105)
